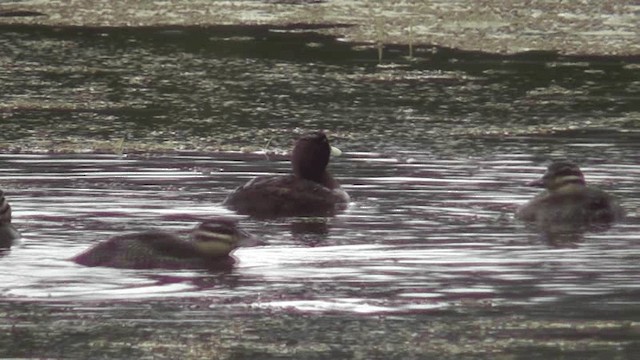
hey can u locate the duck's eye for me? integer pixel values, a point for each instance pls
(218, 228)
(223, 230)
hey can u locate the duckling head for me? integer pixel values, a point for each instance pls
(311, 155)
(560, 174)
(218, 237)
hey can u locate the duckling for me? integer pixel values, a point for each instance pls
(309, 191)
(568, 204)
(8, 233)
(209, 248)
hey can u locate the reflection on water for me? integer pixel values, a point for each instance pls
(431, 235)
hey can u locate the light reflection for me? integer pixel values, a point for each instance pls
(396, 249)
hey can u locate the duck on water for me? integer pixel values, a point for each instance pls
(209, 248)
(8, 233)
(309, 191)
(567, 204)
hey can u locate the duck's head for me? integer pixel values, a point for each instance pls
(218, 237)
(560, 174)
(311, 155)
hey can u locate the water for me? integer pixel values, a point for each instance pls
(164, 124)
(418, 235)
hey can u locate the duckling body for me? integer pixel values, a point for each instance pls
(8, 233)
(309, 191)
(568, 203)
(209, 248)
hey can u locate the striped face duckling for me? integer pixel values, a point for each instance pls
(209, 248)
(8, 233)
(309, 191)
(568, 204)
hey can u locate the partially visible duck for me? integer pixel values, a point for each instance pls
(8, 233)
(309, 191)
(210, 247)
(568, 204)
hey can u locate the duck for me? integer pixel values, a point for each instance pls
(9, 235)
(210, 247)
(309, 191)
(567, 204)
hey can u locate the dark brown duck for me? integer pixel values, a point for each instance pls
(309, 191)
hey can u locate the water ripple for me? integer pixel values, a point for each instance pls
(406, 243)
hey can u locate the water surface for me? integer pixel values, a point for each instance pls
(112, 131)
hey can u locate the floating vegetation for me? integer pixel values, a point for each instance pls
(494, 26)
(282, 335)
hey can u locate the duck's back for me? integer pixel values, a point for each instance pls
(275, 196)
(148, 250)
(583, 206)
(8, 235)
